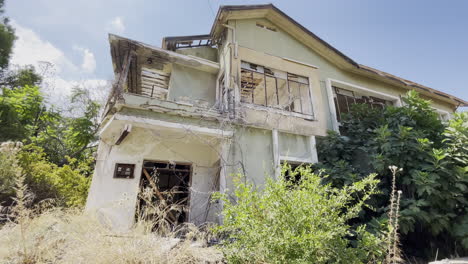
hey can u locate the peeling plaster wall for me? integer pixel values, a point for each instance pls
(251, 153)
(115, 199)
(191, 85)
(296, 146)
(282, 44)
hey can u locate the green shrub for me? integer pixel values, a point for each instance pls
(9, 171)
(67, 185)
(434, 180)
(298, 222)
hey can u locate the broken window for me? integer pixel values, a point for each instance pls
(274, 88)
(344, 99)
(154, 83)
(292, 174)
(165, 191)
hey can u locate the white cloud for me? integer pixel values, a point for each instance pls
(58, 90)
(116, 25)
(29, 48)
(89, 62)
(60, 74)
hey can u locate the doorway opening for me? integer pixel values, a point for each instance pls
(164, 192)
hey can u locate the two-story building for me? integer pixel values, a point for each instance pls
(252, 94)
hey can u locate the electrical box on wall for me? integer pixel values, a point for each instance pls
(124, 171)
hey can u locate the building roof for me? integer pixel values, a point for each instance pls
(274, 14)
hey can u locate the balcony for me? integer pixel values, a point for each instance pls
(149, 77)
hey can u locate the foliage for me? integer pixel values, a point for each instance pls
(9, 170)
(7, 38)
(67, 185)
(21, 77)
(20, 111)
(434, 180)
(57, 160)
(298, 222)
(73, 134)
(24, 116)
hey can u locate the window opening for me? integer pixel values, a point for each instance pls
(344, 99)
(274, 88)
(292, 174)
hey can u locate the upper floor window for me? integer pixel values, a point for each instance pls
(345, 98)
(274, 88)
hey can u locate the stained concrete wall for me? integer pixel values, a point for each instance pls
(251, 154)
(192, 85)
(281, 44)
(296, 146)
(207, 53)
(115, 199)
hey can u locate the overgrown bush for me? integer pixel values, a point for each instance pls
(66, 185)
(299, 221)
(9, 170)
(434, 180)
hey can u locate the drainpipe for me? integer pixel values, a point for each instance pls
(234, 38)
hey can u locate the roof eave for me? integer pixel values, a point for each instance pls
(270, 10)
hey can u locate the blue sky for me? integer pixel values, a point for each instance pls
(423, 41)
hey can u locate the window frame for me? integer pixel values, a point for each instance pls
(288, 79)
(330, 83)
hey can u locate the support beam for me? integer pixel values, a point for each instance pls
(276, 154)
(313, 149)
(224, 151)
(125, 131)
(122, 76)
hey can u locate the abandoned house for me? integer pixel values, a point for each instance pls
(255, 92)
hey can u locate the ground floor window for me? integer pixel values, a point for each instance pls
(292, 174)
(344, 99)
(165, 190)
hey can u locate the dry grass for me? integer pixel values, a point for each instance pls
(57, 235)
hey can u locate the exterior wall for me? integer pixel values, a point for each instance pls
(193, 86)
(295, 146)
(115, 199)
(283, 45)
(251, 154)
(207, 53)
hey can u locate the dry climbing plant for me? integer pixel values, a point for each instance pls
(393, 239)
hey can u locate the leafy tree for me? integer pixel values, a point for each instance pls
(72, 134)
(20, 112)
(24, 116)
(7, 38)
(298, 220)
(20, 77)
(434, 180)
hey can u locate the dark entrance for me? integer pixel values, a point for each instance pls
(168, 184)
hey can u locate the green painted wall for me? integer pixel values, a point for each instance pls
(294, 146)
(188, 84)
(251, 152)
(282, 44)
